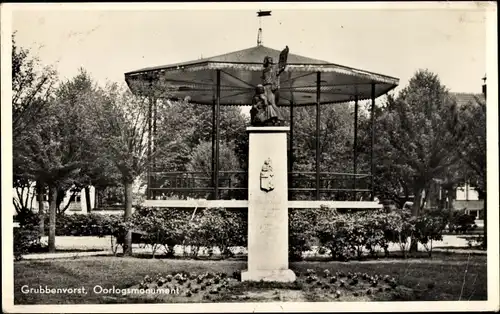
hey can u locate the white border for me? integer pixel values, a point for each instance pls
(492, 142)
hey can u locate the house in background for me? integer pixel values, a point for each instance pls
(76, 202)
(107, 201)
(468, 200)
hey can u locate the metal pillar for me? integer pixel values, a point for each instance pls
(355, 149)
(217, 136)
(290, 157)
(150, 139)
(318, 123)
(213, 146)
(372, 118)
(154, 145)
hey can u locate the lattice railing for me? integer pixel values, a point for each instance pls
(234, 185)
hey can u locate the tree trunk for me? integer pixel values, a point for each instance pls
(87, 199)
(52, 219)
(127, 245)
(41, 210)
(60, 198)
(415, 211)
(452, 196)
(96, 197)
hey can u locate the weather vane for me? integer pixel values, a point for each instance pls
(260, 14)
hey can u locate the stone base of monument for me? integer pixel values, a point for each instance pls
(268, 206)
(286, 275)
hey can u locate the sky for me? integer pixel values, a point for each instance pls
(396, 42)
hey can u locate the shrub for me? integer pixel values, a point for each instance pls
(26, 240)
(301, 231)
(99, 225)
(222, 228)
(211, 227)
(375, 228)
(343, 235)
(336, 232)
(461, 222)
(163, 227)
(27, 235)
(429, 228)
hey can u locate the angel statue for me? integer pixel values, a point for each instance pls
(265, 110)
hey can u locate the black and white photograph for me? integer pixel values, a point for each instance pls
(249, 157)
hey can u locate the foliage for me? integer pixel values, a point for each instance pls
(211, 227)
(120, 124)
(344, 236)
(201, 162)
(335, 142)
(87, 225)
(336, 232)
(32, 87)
(301, 226)
(163, 227)
(27, 235)
(472, 125)
(461, 222)
(221, 228)
(93, 224)
(350, 235)
(26, 240)
(416, 138)
(429, 228)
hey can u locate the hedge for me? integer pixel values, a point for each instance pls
(341, 235)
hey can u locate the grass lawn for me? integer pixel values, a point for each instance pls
(440, 278)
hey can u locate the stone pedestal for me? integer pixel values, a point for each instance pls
(268, 206)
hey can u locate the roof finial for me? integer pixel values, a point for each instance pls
(260, 14)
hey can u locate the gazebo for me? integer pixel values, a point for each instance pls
(230, 80)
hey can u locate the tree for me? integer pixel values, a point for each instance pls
(57, 147)
(336, 140)
(77, 95)
(32, 87)
(50, 154)
(419, 133)
(201, 161)
(472, 126)
(121, 125)
(391, 181)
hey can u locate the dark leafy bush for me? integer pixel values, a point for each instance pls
(211, 227)
(461, 222)
(351, 234)
(86, 225)
(222, 228)
(301, 231)
(342, 235)
(336, 232)
(26, 240)
(429, 228)
(164, 227)
(27, 235)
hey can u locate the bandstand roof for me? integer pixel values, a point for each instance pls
(240, 72)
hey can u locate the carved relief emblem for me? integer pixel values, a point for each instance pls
(266, 176)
